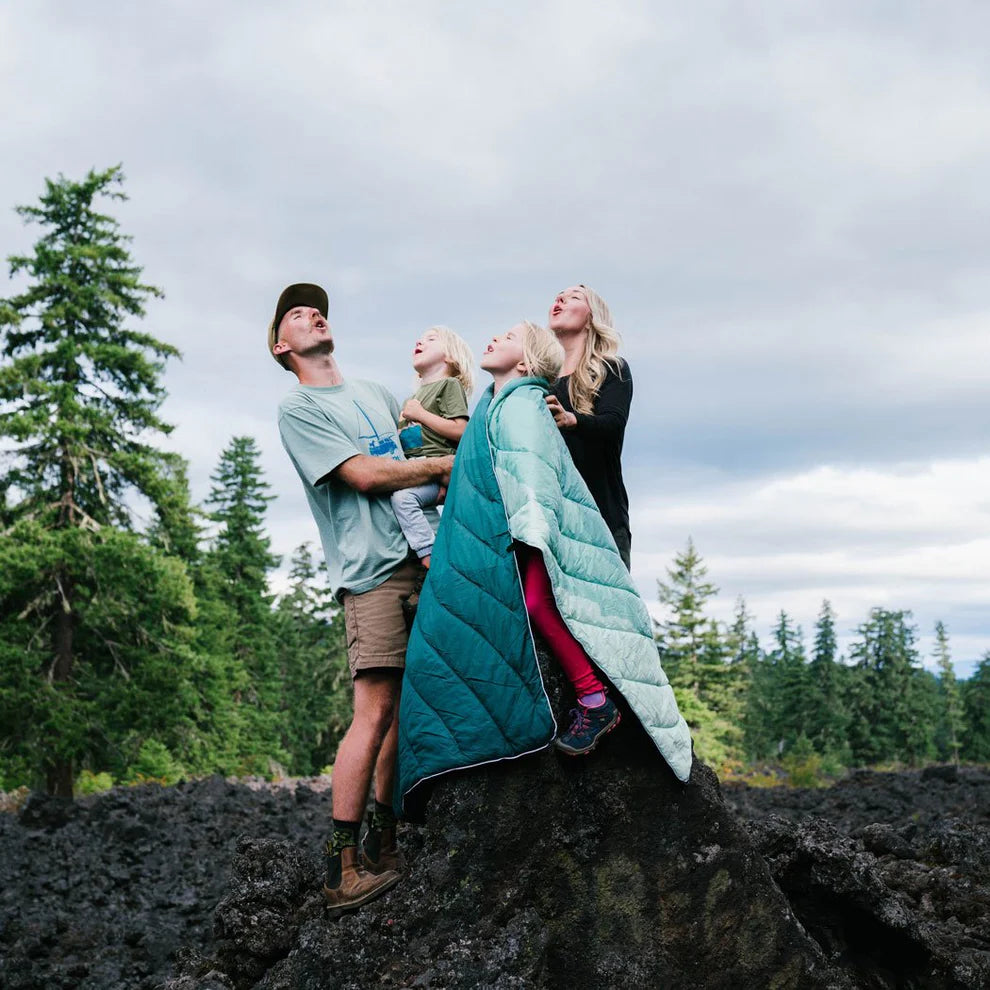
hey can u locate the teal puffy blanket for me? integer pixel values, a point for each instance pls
(472, 691)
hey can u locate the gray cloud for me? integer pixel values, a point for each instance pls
(785, 206)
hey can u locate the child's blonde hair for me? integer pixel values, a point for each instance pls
(543, 354)
(457, 354)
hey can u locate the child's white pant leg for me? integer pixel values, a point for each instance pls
(408, 505)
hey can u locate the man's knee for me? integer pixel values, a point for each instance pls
(376, 700)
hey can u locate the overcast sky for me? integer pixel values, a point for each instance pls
(786, 205)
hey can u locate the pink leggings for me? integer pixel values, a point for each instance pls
(546, 620)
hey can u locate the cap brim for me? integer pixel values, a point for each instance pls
(301, 294)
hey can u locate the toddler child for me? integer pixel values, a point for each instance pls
(432, 423)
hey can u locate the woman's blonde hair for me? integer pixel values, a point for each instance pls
(543, 354)
(601, 351)
(457, 354)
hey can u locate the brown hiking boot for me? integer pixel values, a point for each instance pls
(357, 886)
(381, 852)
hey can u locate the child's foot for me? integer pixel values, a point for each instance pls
(588, 725)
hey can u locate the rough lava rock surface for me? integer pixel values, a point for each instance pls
(539, 873)
(893, 881)
(99, 893)
(542, 872)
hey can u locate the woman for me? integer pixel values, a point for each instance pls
(590, 402)
(521, 533)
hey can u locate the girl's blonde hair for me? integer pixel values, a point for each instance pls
(543, 354)
(601, 351)
(460, 360)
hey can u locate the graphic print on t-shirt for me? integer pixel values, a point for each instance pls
(379, 444)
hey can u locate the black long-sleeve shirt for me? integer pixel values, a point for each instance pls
(596, 443)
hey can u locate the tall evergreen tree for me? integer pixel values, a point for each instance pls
(681, 636)
(976, 707)
(730, 655)
(828, 723)
(315, 678)
(236, 570)
(743, 650)
(749, 663)
(951, 722)
(82, 389)
(79, 398)
(894, 704)
(177, 528)
(742, 641)
(789, 683)
(696, 659)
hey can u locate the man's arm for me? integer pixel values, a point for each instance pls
(379, 475)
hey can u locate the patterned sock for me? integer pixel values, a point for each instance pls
(344, 834)
(595, 700)
(382, 817)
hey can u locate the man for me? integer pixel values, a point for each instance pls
(341, 435)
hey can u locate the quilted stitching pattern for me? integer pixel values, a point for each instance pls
(592, 587)
(472, 691)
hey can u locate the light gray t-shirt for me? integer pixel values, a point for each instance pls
(322, 427)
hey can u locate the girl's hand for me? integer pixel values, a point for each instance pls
(565, 420)
(413, 411)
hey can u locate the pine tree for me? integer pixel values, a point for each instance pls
(695, 656)
(82, 387)
(79, 398)
(177, 529)
(738, 653)
(748, 663)
(951, 722)
(829, 722)
(742, 641)
(242, 549)
(894, 704)
(682, 635)
(236, 571)
(315, 677)
(789, 683)
(976, 706)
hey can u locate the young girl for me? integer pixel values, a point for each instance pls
(432, 423)
(522, 545)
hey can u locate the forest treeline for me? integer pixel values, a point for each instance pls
(802, 704)
(138, 635)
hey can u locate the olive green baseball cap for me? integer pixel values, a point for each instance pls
(299, 294)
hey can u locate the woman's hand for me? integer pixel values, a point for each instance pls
(565, 420)
(412, 411)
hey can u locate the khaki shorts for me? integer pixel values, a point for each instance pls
(375, 625)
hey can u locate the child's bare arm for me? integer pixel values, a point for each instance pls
(449, 429)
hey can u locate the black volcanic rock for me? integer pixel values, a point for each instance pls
(897, 919)
(602, 871)
(99, 893)
(541, 872)
(865, 797)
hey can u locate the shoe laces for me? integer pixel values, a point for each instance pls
(580, 720)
